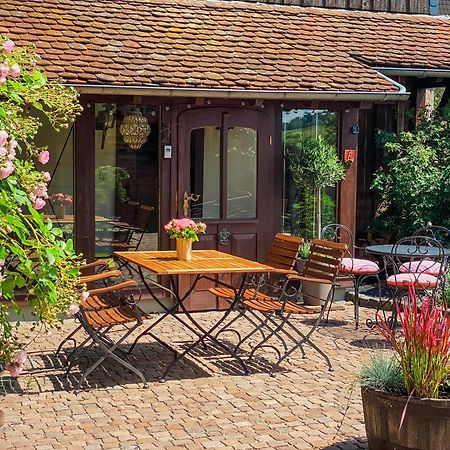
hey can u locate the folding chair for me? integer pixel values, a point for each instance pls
(282, 257)
(101, 277)
(322, 266)
(99, 320)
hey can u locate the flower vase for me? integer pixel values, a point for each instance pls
(60, 211)
(184, 249)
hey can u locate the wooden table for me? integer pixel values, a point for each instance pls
(204, 265)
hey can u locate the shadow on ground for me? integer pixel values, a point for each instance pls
(353, 443)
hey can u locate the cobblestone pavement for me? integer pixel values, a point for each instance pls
(206, 403)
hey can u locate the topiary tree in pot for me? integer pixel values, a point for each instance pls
(34, 257)
(314, 164)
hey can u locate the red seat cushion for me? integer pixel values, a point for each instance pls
(422, 266)
(358, 266)
(418, 280)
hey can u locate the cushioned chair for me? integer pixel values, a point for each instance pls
(356, 269)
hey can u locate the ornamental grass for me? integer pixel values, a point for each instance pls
(422, 345)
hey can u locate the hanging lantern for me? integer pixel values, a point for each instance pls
(135, 129)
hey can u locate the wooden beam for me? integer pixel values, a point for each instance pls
(348, 187)
(84, 175)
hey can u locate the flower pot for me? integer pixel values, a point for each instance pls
(424, 427)
(184, 249)
(60, 211)
(315, 294)
(300, 265)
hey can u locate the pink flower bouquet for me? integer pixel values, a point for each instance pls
(185, 229)
(61, 198)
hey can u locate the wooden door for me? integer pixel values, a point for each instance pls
(226, 165)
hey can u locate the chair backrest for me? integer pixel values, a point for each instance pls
(284, 251)
(129, 211)
(337, 232)
(324, 259)
(420, 250)
(441, 234)
(142, 217)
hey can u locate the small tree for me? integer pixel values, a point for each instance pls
(34, 257)
(314, 164)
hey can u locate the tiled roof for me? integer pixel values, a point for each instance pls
(223, 45)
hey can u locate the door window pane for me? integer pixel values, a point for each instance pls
(205, 172)
(241, 173)
(299, 202)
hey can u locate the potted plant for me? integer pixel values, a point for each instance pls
(185, 231)
(314, 165)
(406, 398)
(35, 261)
(60, 201)
(303, 256)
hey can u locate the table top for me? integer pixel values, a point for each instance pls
(407, 251)
(203, 262)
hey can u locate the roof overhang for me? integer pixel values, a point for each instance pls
(414, 72)
(242, 94)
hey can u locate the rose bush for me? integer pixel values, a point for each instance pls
(34, 257)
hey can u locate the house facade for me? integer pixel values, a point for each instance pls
(221, 89)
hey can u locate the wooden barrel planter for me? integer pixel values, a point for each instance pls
(426, 425)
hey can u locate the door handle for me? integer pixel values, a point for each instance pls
(187, 199)
(224, 236)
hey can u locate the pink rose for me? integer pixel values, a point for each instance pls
(8, 46)
(14, 71)
(73, 310)
(46, 177)
(38, 204)
(44, 157)
(14, 369)
(2, 80)
(40, 190)
(4, 70)
(6, 171)
(3, 151)
(3, 138)
(12, 144)
(84, 295)
(2, 262)
(20, 357)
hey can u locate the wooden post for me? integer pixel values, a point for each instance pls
(348, 187)
(84, 188)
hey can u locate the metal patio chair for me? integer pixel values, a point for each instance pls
(322, 266)
(283, 256)
(107, 309)
(358, 270)
(419, 262)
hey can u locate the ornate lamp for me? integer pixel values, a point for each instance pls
(135, 129)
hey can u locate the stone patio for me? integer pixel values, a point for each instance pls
(206, 403)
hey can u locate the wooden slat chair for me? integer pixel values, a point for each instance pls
(101, 277)
(322, 266)
(98, 318)
(282, 257)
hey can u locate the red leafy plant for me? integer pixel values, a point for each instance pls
(422, 345)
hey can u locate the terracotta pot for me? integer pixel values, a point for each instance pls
(60, 211)
(425, 426)
(184, 249)
(315, 294)
(2, 417)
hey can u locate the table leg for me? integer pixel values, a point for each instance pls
(206, 334)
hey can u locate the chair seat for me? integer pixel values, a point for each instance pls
(358, 266)
(423, 266)
(417, 280)
(110, 316)
(229, 294)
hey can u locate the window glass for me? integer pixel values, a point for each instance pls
(241, 173)
(205, 173)
(299, 202)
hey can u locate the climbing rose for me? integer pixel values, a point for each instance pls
(38, 204)
(4, 70)
(20, 357)
(8, 46)
(14, 369)
(6, 171)
(3, 138)
(46, 177)
(14, 71)
(43, 157)
(73, 309)
(3, 151)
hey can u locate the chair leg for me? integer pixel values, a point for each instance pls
(66, 339)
